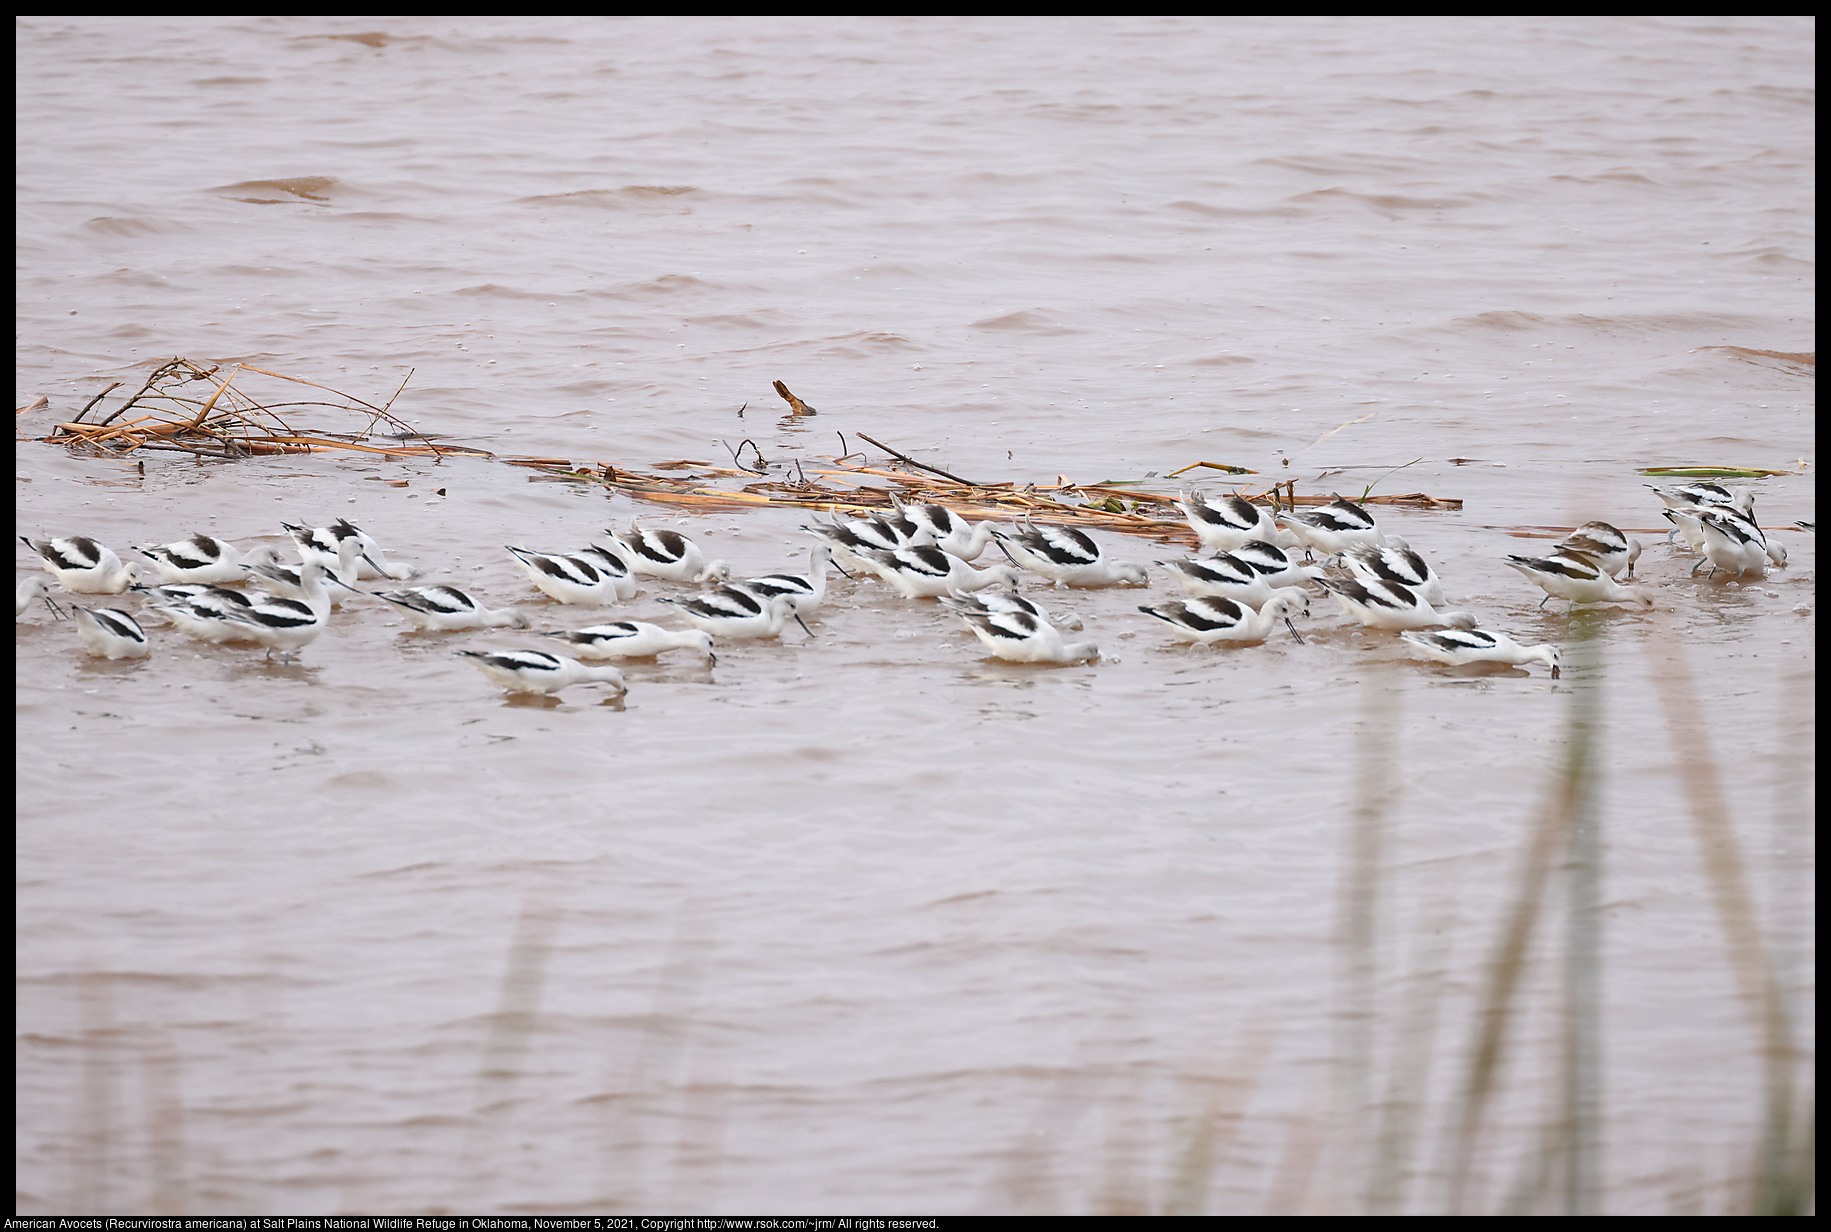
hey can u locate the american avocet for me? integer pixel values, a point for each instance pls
(197, 559)
(926, 572)
(991, 602)
(849, 539)
(1395, 562)
(951, 532)
(732, 612)
(666, 554)
(203, 611)
(1605, 545)
(1686, 524)
(1274, 564)
(442, 608)
(109, 633)
(536, 671)
(1068, 556)
(1333, 528)
(287, 625)
(1577, 578)
(82, 566)
(806, 589)
(1732, 542)
(371, 561)
(1222, 620)
(595, 575)
(1811, 528)
(634, 639)
(287, 581)
(1023, 638)
(1227, 523)
(1687, 497)
(1390, 605)
(34, 588)
(1459, 646)
(1221, 576)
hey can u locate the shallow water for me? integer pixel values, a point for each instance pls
(864, 922)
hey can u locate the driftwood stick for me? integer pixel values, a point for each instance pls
(795, 405)
(933, 470)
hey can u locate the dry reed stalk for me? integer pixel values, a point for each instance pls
(1784, 1182)
(1217, 1124)
(511, 1032)
(1552, 835)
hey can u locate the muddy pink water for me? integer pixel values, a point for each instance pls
(864, 922)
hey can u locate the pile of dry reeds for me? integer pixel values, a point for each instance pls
(198, 409)
(191, 408)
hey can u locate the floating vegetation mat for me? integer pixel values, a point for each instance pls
(202, 410)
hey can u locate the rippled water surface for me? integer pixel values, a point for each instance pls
(864, 922)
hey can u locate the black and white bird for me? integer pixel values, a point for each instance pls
(34, 588)
(197, 559)
(1274, 564)
(1702, 494)
(341, 566)
(203, 611)
(1395, 562)
(851, 538)
(808, 589)
(633, 639)
(666, 554)
(1461, 646)
(734, 612)
(1605, 545)
(1024, 638)
(992, 602)
(441, 609)
(82, 566)
(948, 531)
(1333, 528)
(1390, 605)
(1068, 556)
(1223, 620)
(1730, 541)
(596, 575)
(109, 633)
(371, 561)
(924, 571)
(1228, 522)
(536, 671)
(1576, 578)
(289, 625)
(1222, 576)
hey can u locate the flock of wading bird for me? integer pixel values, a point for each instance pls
(1248, 584)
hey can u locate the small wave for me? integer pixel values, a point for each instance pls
(1026, 322)
(313, 188)
(1230, 211)
(613, 198)
(1768, 359)
(112, 225)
